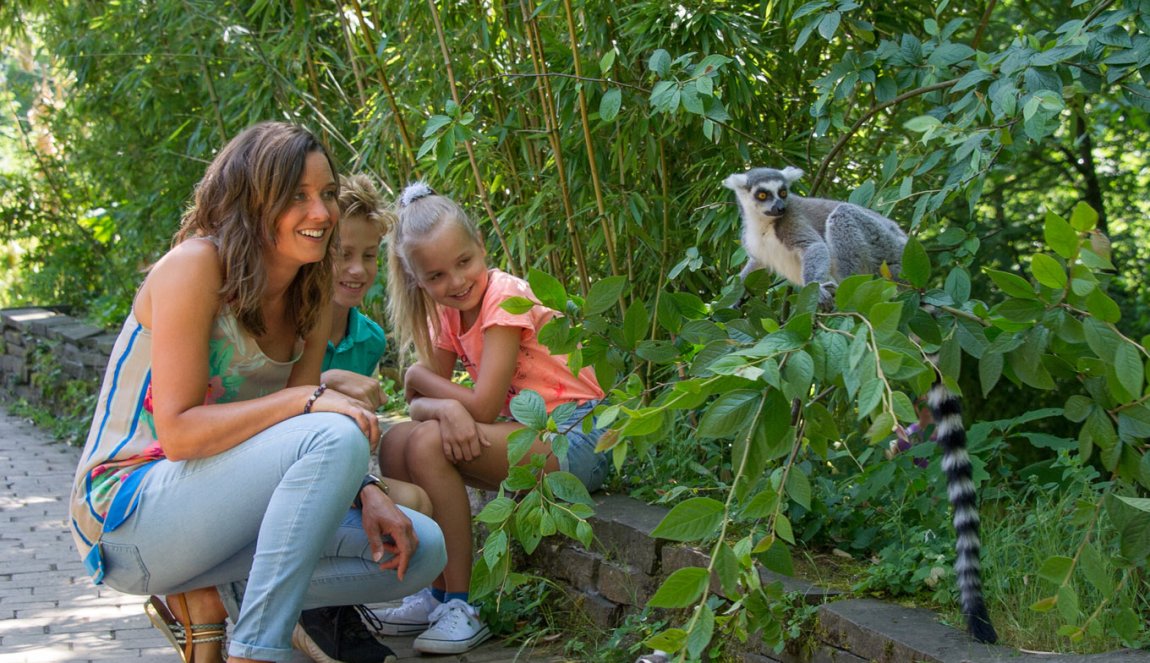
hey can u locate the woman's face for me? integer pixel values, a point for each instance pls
(304, 228)
(356, 260)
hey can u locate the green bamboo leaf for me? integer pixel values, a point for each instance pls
(1048, 271)
(610, 103)
(915, 263)
(1060, 236)
(680, 589)
(691, 520)
(548, 289)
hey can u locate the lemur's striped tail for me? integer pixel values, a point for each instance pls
(951, 435)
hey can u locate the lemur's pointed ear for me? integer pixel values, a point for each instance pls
(790, 173)
(736, 181)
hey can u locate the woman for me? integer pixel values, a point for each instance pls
(217, 461)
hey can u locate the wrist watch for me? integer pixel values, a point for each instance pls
(369, 480)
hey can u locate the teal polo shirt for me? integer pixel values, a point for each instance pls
(361, 348)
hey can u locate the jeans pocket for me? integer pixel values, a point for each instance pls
(124, 568)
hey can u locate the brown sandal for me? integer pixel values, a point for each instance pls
(177, 632)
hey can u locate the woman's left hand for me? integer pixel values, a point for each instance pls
(389, 531)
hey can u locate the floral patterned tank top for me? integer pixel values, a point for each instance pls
(122, 444)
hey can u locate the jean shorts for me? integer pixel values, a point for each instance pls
(589, 467)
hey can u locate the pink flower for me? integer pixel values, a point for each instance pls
(215, 390)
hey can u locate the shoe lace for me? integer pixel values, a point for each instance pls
(352, 625)
(453, 605)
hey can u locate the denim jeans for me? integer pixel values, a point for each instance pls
(268, 523)
(589, 467)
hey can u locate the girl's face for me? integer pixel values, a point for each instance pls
(355, 261)
(451, 267)
(303, 230)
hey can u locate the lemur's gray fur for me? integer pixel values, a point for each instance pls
(810, 240)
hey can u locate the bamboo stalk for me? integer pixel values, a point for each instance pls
(404, 135)
(556, 148)
(215, 99)
(608, 235)
(467, 143)
(356, 70)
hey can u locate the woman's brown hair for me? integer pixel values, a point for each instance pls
(244, 190)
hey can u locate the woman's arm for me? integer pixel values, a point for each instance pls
(179, 302)
(486, 400)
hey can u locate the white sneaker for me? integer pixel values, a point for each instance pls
(409, 618)
(455, 628)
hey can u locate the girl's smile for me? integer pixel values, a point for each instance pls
(450, 266)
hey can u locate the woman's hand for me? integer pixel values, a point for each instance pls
(388, 530)
(332, 400)
(360, 387)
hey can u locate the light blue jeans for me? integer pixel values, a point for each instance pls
(268, 523)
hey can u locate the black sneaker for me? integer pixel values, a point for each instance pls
(338, 635)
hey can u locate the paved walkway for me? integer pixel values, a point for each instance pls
(49, 609)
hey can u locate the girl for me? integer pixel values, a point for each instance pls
(218, 466)
(446, 302)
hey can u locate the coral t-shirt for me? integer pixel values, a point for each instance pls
(536, 368)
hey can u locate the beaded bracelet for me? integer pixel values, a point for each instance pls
(311, 400)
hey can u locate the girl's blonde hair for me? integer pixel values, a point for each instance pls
(243, 192)
(420, 211)
(359, 197)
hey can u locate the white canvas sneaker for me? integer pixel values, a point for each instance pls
(409, 618)
(455, 628)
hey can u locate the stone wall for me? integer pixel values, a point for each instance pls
(44, 348)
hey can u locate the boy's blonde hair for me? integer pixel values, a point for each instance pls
(419, 212)
(359, 197)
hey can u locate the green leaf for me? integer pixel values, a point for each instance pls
(799, 487)
(568, 487)
(691, 520)
(784, 530)
(496, 511)
(1083, 218)
(1012, 284)
(727, 568)
(989, 371)
(700, 635)
(729, 413)
(922, 124)
(1131, 517)
(1128, 366)
(680, 589)
(517, 305)
(1060, 236)
(519, 442)
(610, 103)
(529, 409)
(660, 63)
(1056, 569)
(604, 294)
(881, 428)
(915, 263)
(1048, 271)
(636, 323)
(1100, 305)
(548, 289)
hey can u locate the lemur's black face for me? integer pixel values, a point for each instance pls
(768, 193)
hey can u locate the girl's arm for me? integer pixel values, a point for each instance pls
(179, 302)
(486, 400)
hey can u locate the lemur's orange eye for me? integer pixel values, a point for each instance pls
(762, 195)
(782, 193)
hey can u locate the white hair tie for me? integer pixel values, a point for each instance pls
(414, 192)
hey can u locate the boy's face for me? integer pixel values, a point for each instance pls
(355, 261)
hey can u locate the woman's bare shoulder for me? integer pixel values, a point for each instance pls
(192, 266)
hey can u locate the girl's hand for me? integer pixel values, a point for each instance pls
(332, 400)
(461, 437)
(389, 531)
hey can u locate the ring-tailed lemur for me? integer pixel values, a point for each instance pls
(811, 240)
